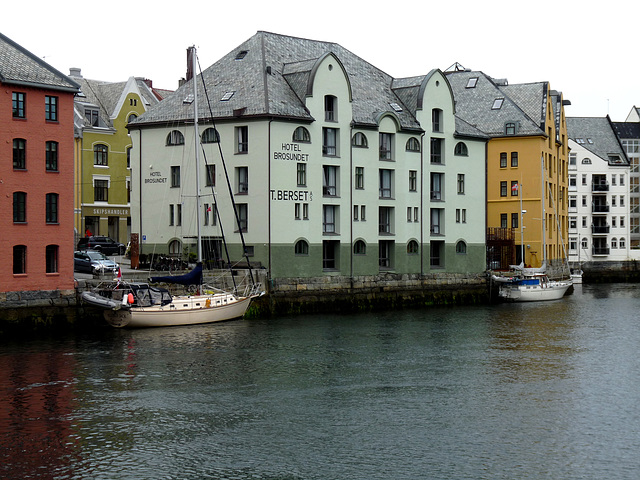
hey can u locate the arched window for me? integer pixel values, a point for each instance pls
(584, 243)
(614, 243)
(174, 247)
(412, 247)
(413, 145)
(301, 134)
(302, 247)
(175, 138)
(101, 155)
(586, 161)
(360, 140)
(623, 243)
(359, 248)
(131, 118)
(461, 247)
(210, 135)
(461, 149)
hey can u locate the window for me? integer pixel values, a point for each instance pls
(51, 156)
(100, 190)
(514, 220)
(614, 243)
(412, 247)
(503, 189)
(510, 128)
(384, 219)
(171, 214)
(301, 247)
(573, 223)
(242, 174)
(132, 117)
(586, 161)
(51, 258)
(436, 186)
(330, 254)
(301, 134)
(621, 180)
(461, 248)
(19, 104)
(330, 108)
(301, 174)
(497, 104)
(416, 215)
(51, 108)
(461, 184)
(386, 183)
(359, 140)
(409, 216)
(92, 117)
(359, 248)
(621, 222)
(305, 211)
(584, 243)
(514, 188)
(363, 211)
(436, 150)
(572, 181)
(356, 209)
(210, 135)
(386, 146)
(329, 218)
(179, 214)
(243, 216)
(330, 181)
(207, 211)
(436, 120)
(622, 243)
(19, 259)
(514, 159)
(413, 145)
(51, 207)
(175, 176)
(584, 179)
(330, 142)
(211, 175)
(503, 160)
(503, 220)
(437, 221)
(19, 154)
(461, 150)
(471, 83)
(359, 178)
(100, 155)
(19, 207)
(175, 138)
(413, 180)
(129, 157)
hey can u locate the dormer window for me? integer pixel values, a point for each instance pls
(497, 104)
(510, 128)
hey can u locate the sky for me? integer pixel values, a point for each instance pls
(587, 52)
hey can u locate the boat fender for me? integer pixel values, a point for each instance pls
(130, 298)
(124, 300)
(207, 304)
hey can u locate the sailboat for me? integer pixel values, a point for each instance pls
(142, 305)
(531, 284)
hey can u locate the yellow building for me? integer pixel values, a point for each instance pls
(527, 163)
(102, 153)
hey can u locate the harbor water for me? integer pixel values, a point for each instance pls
(546, 390)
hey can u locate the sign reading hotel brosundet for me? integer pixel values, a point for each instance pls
(291, 152)
(156, 177)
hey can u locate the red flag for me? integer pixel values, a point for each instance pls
(514, 188)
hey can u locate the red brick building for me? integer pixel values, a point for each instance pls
(36, 173)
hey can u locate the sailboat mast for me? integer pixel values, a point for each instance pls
(197, 149)
(544, 215)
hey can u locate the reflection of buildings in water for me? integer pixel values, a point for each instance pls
(36, 432)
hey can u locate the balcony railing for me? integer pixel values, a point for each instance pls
(599, 187)
(600, 250)
(599, 229)
(599, 208)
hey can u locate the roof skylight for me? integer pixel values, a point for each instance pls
(241, 54)
(227, 96)
(497, 104)
(471, 83)
(396, 107)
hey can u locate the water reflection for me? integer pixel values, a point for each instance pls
(510, 391)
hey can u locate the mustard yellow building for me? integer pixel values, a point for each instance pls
(527, 163)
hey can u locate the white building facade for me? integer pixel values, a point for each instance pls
(335, 168)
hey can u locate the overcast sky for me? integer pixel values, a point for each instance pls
(586, 51)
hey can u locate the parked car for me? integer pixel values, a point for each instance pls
(92, 261)
(102, 244)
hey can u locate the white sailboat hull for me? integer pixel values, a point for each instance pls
(183, 310)
(534, 293)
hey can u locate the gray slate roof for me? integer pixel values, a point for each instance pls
(18, 66)
(599, 138)
(281, 93)
(524, 104)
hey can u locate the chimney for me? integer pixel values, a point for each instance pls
(75, 72)
(190, 52)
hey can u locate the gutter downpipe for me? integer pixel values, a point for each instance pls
(351, 205)
(422, 205)
(269, 197)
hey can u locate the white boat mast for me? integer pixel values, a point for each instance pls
(194, 80)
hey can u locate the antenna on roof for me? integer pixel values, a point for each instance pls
(456, 67)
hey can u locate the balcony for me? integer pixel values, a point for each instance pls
(599, 187)
(600, 250)
(599, 229)
(596, 208)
